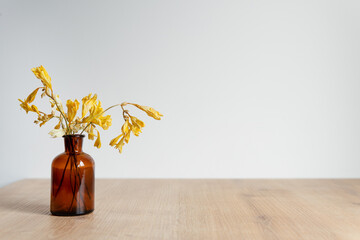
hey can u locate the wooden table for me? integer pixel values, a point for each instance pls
(190, 209)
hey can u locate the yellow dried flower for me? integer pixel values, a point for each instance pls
(24, 105)
(95, 112)
(149, 111)
(137, 124)
(44, 118)
(41, 73)
(103, 121)
(114, 141)
(87, 103)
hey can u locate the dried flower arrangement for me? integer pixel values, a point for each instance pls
(92, 114)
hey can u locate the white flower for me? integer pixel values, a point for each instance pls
(58, 103)
(57, 133)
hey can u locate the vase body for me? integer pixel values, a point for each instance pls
(72, 180)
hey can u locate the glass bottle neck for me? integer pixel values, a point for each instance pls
(73, 143)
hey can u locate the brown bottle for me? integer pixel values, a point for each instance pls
(72, 180)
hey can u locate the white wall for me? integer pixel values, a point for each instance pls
(249, 89)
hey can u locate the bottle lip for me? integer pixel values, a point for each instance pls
(74, 135)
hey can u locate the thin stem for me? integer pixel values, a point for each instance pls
(42, 112)
(87, 190)
(76, 174)
(112, 107)
(72, 189)
(75, 170)
(62, 177)
(67, 126)
(85, 128)
(61, 123)
(60, 120)
(80, 181)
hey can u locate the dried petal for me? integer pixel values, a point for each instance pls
(97, 142)
(41, 73)
(120, 145)
(58, 125)
(127, 137)
(32, 96)
(90, 131)
(72, 109)
(125, 128)
(35, 109)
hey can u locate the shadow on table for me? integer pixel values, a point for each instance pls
(25, 206)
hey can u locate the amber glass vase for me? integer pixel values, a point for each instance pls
(72, 180)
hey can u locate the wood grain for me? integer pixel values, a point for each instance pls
(190, 209)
